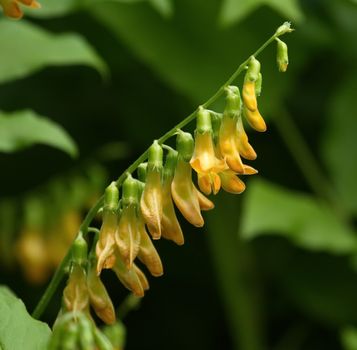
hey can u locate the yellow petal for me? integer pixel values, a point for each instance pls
(75, 295)
(232, 183)
(142, 278)
(171, 228)
(244, 147)
(99, 298)
(255, 120)
(248, 170)
(127, 236)
(228, 144)
(205, 203)
(148, 255)
(184, 194)
(128, 277)
(151, 203)
(249, 97)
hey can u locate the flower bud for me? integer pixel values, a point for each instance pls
(255, 119)
(282, 58)
(184, 145)
(284, 28)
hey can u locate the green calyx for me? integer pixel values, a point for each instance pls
(203, 121)
(130, 191)
(282, 58)
(155, 156)
(233, 101)
(111, 197)
(80, 250)
(142, 171)
(253, 70)
(185, 145)
(258, 85)
(170, 164)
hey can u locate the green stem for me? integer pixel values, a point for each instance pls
(60, 272)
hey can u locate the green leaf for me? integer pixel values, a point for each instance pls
(349, 338)
(270, 209)
(339, 141)
(32, 48)
(18, 330)
(164, 7)
(22, 129)
(235, 10)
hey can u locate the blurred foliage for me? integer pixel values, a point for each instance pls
(277, 268)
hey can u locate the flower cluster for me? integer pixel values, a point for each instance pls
(12, 8)
(147, 204)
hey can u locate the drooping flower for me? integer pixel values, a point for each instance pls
(105, 248)
(250, 109)
(151, 200)
(244, 147)
(282, 58)
(171, 228)
(98, 295)
(127, 235)
(184, 193)
(12, 7)
(204, 160)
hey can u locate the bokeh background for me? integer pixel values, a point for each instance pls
(274, 268)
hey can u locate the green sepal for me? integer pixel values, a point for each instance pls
(233, 102)
(116, 333)
(282, 58)
(216, 119)
(258, 85)
(86, 338)
(203, 121)
(185, 145)
(253, 70)
(155, 156)
(170, 164)
(101, 340)
(70, 336)
(80, 250)
(142, 171)
(130, 190)
(111, 197)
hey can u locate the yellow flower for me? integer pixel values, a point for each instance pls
(75, 295)
(232, 183)
(151, 199)
(127, 236)
(148, 255)
(132, 279)
(255, 119)
(185, 195)
(98, 296)
(105, 247)
(12, 8)
(204, 202)
(171, 228)
(244, 147)
(204, 160)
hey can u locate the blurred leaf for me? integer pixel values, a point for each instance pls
(270, 209)
(18, 330)
(165, 7)
(32, 48)
(235, 10)
(22, 129)
(55, 8)
(339, 141)
(349, 338)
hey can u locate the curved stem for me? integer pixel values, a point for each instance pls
(56, 279)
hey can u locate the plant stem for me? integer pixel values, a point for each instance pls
(56, 279)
